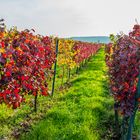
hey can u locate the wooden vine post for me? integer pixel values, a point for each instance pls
(63, 73)
(35, 102)
(77, 70)
(55, 64)
(116, 117)
(69, 72)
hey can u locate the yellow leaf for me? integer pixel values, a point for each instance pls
(2, 50)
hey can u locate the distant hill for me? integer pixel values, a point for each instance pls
(100, 39)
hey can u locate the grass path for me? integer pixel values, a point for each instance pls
(84, 112)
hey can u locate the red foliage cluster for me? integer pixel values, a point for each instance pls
(85, 50)
(123, 60)
(24, 61)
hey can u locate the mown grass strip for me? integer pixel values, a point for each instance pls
(84, 112)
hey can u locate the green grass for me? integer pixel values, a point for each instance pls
(84, 112)
(81, 110)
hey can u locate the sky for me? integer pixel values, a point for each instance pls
(67, 18)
